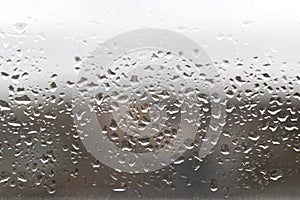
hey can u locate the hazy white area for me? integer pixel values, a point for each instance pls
(225, 29)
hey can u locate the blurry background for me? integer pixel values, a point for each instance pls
(255, 45)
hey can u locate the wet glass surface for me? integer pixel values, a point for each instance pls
(192, 104)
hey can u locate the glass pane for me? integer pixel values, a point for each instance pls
(156, 99)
